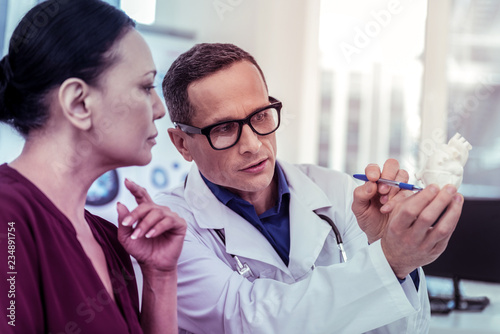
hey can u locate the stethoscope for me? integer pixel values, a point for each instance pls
(244, 270)
(338, 236)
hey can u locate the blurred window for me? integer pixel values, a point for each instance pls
(371, 78)
(474, 91)
(143, 11)
(3, 24)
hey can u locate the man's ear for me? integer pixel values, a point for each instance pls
(178, 138)
(72, 95)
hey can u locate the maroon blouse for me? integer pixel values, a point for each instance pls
(47, 282)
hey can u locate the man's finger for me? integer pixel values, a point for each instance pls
(432, 212)
(362, 197)
(372, 172)
(409, 209)
(401, 176)
(447, 222)
(390, 171)
(391, 203)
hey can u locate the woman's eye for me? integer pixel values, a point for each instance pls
(149, 88)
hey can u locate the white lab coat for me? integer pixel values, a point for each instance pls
(316, 293)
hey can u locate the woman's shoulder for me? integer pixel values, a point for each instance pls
(14, 192)
(19, 197)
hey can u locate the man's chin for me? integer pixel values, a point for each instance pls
(254, 184)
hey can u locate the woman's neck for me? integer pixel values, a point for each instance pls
(59, 174)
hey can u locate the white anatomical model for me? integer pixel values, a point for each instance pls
(446, 164)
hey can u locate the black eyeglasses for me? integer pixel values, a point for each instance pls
(224, 135)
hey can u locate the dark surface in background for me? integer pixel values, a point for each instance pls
(473, 251)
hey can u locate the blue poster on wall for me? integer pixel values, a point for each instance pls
(104, 190)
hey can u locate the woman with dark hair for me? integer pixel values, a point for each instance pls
(77, 83)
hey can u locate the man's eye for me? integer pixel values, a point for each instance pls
(261, 117)
(224, 128)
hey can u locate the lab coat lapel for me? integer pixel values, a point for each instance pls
(242, 238)
(308, 232)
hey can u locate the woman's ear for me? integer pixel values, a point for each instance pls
(178, 138)
(72, 95)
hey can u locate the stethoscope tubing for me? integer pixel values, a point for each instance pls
(338, 236)
(243, 268)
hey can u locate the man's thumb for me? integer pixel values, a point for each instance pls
(362, 196)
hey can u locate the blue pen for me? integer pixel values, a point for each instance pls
(391, 183)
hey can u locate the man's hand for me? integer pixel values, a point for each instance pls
(419, 228)
(412, 229)
(373, 202)
(151, 233)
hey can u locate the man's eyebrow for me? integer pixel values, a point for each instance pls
(229, 119)
(224, 119)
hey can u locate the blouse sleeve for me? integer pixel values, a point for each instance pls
(19, 280)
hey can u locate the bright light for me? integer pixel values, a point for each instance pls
(143, 11)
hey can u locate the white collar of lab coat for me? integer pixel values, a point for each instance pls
(307, 230)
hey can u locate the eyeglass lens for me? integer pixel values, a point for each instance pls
(227, 134)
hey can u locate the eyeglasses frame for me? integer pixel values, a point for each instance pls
(206, 130)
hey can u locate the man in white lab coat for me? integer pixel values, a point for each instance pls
(260, 255)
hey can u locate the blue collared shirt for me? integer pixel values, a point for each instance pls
(274, 223)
